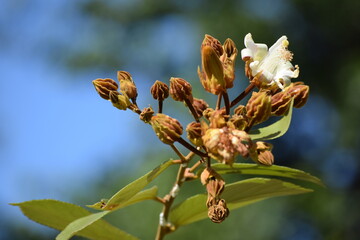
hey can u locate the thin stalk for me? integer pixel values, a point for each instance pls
(218, 102)
(192, 109)
(191, 147)
(160, 106)
(242, 95)
(227, 103)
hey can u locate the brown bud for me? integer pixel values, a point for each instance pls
(123, 75)
(218, 212)
(212, 74)
(180, 89)
(258, 108)
(119, 101)
(146, 114)
(193, 130)
(262, 153)
(168, 129)
(300, 93)
(214, 182)
(280, 103)
(104, 86)
(224, 144)
(159, 91)
(129, 89)
(199, 105)
(214, 43)
(228, 60)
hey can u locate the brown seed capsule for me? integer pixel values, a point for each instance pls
(212, 74)
(214, 43)
(258, 108)
(159, 90)
(199, 105)
(123, 75)
(300, 93)
(280, 103)
(180, 89)
(193, 130)
(218, 212)
(168, 129)
(146, 114)
(104, 86)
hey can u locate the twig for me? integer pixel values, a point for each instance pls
(192, 109)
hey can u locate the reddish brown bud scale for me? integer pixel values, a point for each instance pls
(180, 89)
(258, 108)
(159, 90)
(300, 93)
(105, 86)
(280, 103)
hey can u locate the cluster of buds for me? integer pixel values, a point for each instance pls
(217, 133)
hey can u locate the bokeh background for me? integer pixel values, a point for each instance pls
(59, 140)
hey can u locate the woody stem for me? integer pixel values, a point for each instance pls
(227, 103)
(191, 147)
(242, 95)
(218, 102)
(160, 106)
(192, 109)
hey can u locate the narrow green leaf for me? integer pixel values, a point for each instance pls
(58, 215)
(122, 196)
(147, 194)
(237, 195)
(274, 170)
(274, 130)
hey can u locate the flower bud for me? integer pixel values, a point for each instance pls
(200, 105)
(119, 101)
(228, 60)
(218, 212)
(159, 91)
(300, 93)
(127, 85)
(212, 74)
(258, 108)
(193, 130)
(280, 103)
(168, 129)
(104, 86)
(146, 114)
(180, 89)
(208, 112)
(217, 119)
(213, 43)
(262, 153)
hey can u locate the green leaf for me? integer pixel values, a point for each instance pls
(59, 215)
(237, 195)
(274, 170)
(147, 194)
(120, 198)
(274, 130)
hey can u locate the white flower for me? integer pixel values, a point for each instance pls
(271, 66)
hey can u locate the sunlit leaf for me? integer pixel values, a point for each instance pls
(237, 195)
(122, 196)
(274, 170)
(147, 194)
(59, 215)
(274, 130)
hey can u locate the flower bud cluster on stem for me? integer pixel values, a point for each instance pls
(221, 132)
